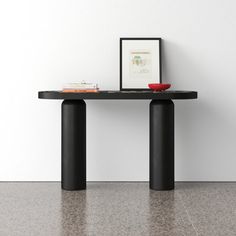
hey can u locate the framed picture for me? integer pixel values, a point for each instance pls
(140, 63)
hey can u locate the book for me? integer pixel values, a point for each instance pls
(80, 88)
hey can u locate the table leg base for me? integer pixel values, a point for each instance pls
(73, 141)
(161, 145)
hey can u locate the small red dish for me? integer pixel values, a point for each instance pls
(159, 87)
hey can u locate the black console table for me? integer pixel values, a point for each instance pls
(73, 143)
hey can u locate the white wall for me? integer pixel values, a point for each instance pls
(44, 44)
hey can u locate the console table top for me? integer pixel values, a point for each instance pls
(110, 94)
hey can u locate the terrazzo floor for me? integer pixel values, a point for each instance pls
(110, 209)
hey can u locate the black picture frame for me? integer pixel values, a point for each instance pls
(121, 69)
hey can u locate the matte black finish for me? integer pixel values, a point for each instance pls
(161, 145)
(73, 145)
(165, 95)
(161, 134)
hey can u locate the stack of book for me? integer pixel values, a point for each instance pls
(80, 88)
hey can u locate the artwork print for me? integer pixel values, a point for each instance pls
(140, 64)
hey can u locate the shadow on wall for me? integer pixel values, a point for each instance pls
(117, 134)
(205, 128)
(204, 140)
(180, 68)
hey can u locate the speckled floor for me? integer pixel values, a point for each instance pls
(110, 209)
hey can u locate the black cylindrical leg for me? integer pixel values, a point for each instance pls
(73, 171)
(161, 145)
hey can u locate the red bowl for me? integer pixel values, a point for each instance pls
(159, 87)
